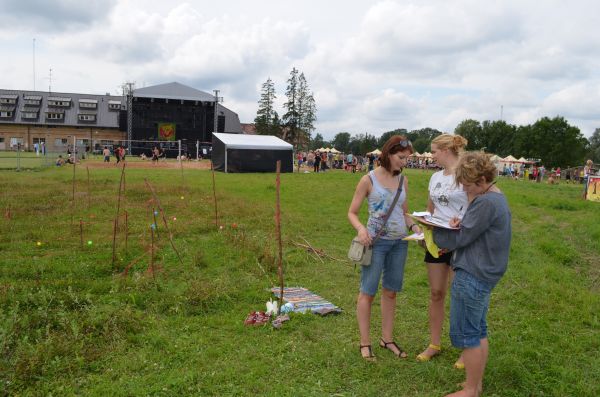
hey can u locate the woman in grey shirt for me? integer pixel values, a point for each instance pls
(481, 246)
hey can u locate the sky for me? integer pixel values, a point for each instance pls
(373, 66)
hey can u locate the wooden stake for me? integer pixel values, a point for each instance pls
(278, 233)
(88, 185)
(126, 230)
(214, 193)
(73, 196)
(81, 233)
(152, 254)
(162, 213)
(117, 216)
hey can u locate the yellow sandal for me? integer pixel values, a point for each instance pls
(459, 365)
(422, 357)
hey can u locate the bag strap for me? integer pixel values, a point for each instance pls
(387, 216)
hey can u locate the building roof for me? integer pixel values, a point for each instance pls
(105, 117)
(243, 141)
(173, 90)
(248, 128)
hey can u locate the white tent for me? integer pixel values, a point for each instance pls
(376, 151)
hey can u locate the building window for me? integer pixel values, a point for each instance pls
(55, 116)
(29, 115)
(114, 105)
(8, 99)
(60, 102)
(60, 142)
(88, 103)
(6, 115)
(16, 142)
(86, 117)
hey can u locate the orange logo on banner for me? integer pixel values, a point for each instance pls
(166, 131)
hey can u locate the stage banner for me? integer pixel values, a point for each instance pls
(166, 131)
(593, 193)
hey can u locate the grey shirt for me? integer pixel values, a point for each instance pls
(482, 243)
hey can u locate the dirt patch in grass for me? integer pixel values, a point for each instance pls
(140, 164)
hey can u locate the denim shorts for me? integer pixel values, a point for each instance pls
(388, 258)
(469, 302)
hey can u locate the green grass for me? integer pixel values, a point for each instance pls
(71, 325)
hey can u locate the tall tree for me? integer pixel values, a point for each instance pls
(267, 119)
(421, 139)
(341, 141)
(317, 142)
(471, 130)
(498, 137)
(557, 143)
(594, 147)
(363, 143)
(291, 118)
(301, 110)
(307, 109)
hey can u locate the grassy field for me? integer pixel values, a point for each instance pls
(72, 325)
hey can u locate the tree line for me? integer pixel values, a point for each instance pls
(553, 141)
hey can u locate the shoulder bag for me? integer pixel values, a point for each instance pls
(361, 254)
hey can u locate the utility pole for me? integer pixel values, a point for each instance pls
(34, 63)
(129, 114)
(216, 118)
(50, 82)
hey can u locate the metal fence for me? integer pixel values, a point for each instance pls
(20, 160)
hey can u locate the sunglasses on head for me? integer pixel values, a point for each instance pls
(404, 143)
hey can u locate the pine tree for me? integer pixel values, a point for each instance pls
(267, 119)
(301, 110)
(306, 110)
(291, 117)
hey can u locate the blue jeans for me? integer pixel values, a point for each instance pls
(389, 257)
(470, 299)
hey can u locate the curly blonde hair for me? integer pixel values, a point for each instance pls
(474, 165)
(455, 143)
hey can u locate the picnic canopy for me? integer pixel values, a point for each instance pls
(509, 159)
(334, 150)
(250, 153)
(376, 151)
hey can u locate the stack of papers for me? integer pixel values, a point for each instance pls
(426, 218)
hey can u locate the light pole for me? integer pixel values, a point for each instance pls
(217, 100)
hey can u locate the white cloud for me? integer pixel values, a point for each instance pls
(372, 66)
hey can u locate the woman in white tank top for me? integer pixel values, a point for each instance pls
(447, 200)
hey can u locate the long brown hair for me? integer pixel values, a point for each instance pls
(397, 143)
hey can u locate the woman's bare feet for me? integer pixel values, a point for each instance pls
(462, 392)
